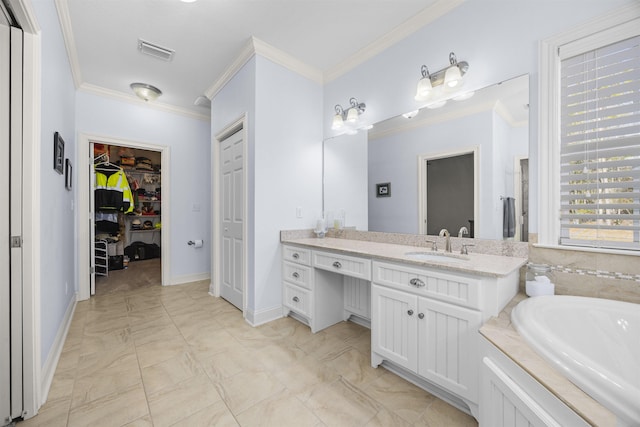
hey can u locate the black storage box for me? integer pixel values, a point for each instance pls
(116, 262)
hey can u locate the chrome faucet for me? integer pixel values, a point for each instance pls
(463, 231)
(445, 233)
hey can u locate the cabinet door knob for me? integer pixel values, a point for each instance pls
(296, 299)
(421, 315)
(410, 312)
(416, 282)
(295, 274)
(295, 255)
(337, 264)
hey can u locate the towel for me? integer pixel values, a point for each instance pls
(509, 217)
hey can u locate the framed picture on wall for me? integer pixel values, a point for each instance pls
(68, 175)
(58, 153)
(383, 190)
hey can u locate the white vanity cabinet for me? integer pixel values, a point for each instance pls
(427, 322)
(313, 299)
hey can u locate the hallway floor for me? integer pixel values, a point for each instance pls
(175, 356)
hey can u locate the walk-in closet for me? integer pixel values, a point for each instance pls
(127, 198)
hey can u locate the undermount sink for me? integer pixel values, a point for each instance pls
(434, 256)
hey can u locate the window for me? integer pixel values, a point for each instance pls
(600, 146)
(588, 160)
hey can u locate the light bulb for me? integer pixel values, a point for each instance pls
(452, 77)
(337, 122)
(424, 89)
(352, 115)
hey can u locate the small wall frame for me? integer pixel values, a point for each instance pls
(58, 153)
(383, 190)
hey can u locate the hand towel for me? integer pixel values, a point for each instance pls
(509, 217)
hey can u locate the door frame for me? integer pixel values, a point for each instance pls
(422, 184)
(241, 125)
(85, 160)
(517, 194)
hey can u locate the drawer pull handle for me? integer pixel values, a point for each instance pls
(295, 274)
(337, 264)
(410, 312)
(421, 315)
(296, 299)
(416, 282)
(295, 255)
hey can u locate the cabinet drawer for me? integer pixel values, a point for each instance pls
(298, 274)
(449, 287)
(297, 255)
(297, 299)
(343, 264)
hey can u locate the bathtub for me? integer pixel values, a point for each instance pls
(594, 342)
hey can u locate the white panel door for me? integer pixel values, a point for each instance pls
(448, 346)
(232, 218)
(394, 326)
(5, 320)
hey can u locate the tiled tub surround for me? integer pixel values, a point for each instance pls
(590, 274)
(500, 332)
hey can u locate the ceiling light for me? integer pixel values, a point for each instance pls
(411, 114)
(450, 78)
(349, 118)
(145, 91)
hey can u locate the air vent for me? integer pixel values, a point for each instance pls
(154, 50)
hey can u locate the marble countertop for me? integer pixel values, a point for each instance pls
(501, 333)
(473, 263)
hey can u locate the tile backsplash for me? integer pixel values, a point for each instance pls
(590, 274)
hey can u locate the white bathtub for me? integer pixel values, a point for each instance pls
(593, 342)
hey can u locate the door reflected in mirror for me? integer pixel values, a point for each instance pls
(493, 124)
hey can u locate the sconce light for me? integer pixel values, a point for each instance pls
(350, 117)
(145, 91)
(450, 78)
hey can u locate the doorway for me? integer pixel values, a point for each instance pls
(87, 257)
(127, 242)
(448, 192)
(229, 184)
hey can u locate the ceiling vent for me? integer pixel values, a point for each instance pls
(154, 50)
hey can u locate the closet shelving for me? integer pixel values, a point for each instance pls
(101, 258)
(146, 235)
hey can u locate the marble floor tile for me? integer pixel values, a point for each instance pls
(400, 396)
(139, 355)
(115, 410)
(342, 404)
(243, 390)
(173, 404)
(280, 410)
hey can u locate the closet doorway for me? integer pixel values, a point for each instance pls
(127, 245)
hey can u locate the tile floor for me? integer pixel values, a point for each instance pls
(175, 356)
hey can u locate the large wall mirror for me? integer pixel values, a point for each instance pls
(462, 165)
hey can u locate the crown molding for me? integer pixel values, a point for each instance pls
(69, 41)
(25, 15)
(413, 24)
(256, 46)
(132, 99)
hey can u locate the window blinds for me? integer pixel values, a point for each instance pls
(600, 147)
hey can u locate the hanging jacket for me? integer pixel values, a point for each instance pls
(112, 191)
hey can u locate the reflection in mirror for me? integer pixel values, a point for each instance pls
(491, 127)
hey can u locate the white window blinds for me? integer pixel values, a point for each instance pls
(600, 147)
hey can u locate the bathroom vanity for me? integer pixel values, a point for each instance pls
(424, 307)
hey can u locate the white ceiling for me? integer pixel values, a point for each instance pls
(328, 36)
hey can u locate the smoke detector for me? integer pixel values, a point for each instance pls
(155, 50)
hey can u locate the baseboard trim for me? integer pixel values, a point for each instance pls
(49, 368)
(257, 318)
(181, 280)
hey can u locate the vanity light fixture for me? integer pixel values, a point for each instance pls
(451, 78)
(350, 118)
(145, 91)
